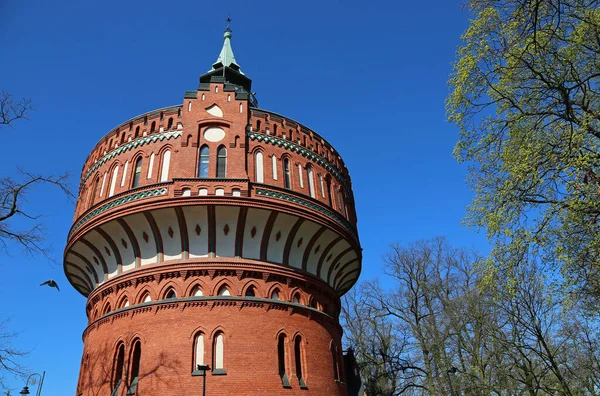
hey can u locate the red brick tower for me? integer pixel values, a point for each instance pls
(213, 233)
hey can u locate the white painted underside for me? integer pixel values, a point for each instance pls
(196, 219)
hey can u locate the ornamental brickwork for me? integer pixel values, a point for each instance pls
(213, 233)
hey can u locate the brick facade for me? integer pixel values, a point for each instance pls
(257, 259)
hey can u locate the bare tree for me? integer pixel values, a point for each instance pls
(15, 192)
(442, 328)
(12, 110)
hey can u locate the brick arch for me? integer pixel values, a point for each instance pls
(123, 296)
(300, 293)
(169, 285)
(224, 282)
(281, 331)
(196, 331)
(282, 291)
(191, 285)
(107, 307)
(253, 283)
(146, 289)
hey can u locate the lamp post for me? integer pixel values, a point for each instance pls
(202, 369)
(25, 390)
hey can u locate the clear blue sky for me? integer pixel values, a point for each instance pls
(368, 76)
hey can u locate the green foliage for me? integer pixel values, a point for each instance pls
(525, 97)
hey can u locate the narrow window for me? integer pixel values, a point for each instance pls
(113, 181)
(328, 181)
(164, 175)
(336, 374)
(241, 108)
(221, 161)
(296, 299)
(281, 360)
(311, 181)
(274, 167)
(95, 191)
(123, 138)
(229, 98)
(103, 184)
(197, 291)
(321, 185)
(118, 365)
(190, 105)
(203, 162)
(275, 130)
(170, 123)
(218, 361)
(258, 125)
(224, 291)
(251, 292)
(300, 178)
(199, 351)
(153, 126)
(135, 367)
(150, 166)
(170, 294)
(136, 173)
(286, 174)
(275, 294)
(125, 170)
(291, 135)
(258, 163)
(298, 357)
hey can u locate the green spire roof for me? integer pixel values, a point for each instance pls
(226, 57)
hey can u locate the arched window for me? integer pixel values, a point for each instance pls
(170, 294)
(197, 291)
(300, 178)
(258, 163)
(311, 181)
(145, 298)
(190, 104)
(170, 123)
(298, 359)
(150, 166)
(218, 354)
(113, 181)
(107, 309)
(186, 192)
(95, 191)
(203, 162)
(164, 174)
(275, 294)
(221, 161)
(321, 185)
(296, 299)
(137, 170)
(274, 159)
(328, 181)
(198, 351)
(124, 303)
(313, 303)
(135, 367)
(251, 291)
(286, 173)
(153, 126)
(281, 360)
(118, 365)
(224, 291)
(125, 170)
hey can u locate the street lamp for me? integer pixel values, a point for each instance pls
(25, 390)
(201, 371)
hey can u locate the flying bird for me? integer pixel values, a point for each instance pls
(51, 283)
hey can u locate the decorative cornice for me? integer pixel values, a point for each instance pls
(286, 197)
(120, 201)
(293, 147)
(128, 146)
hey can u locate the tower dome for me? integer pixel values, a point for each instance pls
(213, 233)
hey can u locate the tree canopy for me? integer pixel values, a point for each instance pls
(525, 97)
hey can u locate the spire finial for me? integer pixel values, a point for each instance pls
(228, 23)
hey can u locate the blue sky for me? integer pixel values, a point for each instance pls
(370, 77)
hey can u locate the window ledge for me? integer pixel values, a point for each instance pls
(198, 373)
(219, 372)
(302, 384)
